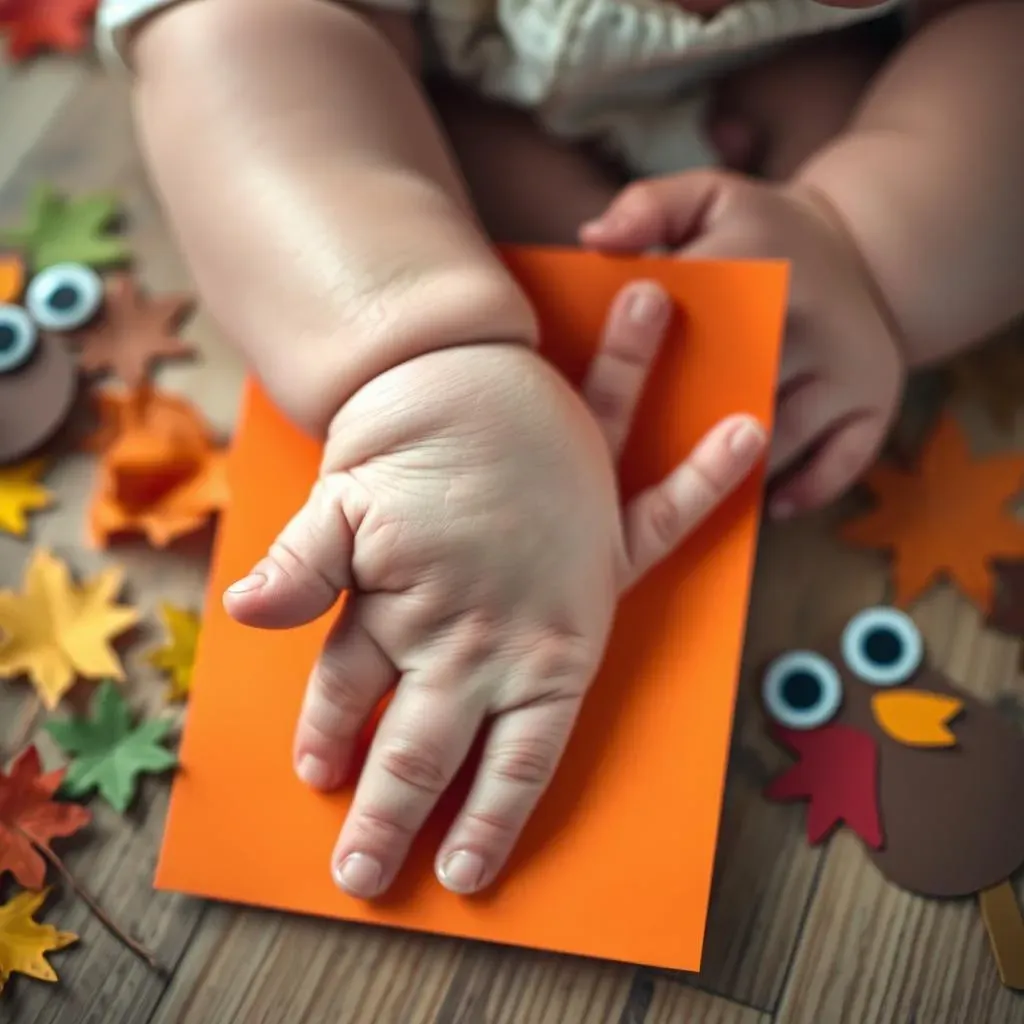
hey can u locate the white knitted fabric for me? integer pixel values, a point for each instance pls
(630, 73)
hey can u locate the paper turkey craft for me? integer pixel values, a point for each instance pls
(931, 779)
(38, 371)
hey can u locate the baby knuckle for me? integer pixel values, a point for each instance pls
(416, 764)
(664, 518)
(382, 826)
(335, 685)
(526, 762)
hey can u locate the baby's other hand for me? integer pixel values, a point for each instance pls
(468, 502)
(842, 371)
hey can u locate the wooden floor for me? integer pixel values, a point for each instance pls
(797, 936)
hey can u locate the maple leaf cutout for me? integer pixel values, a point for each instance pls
(30, 818)
(55, 631)
(134, 332)
(949, 516)
(161, 471)
(25, 942)
(62, 230)
(177, 657)
(21, 493)
(109, 754)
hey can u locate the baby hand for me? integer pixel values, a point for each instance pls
(842, 372)
(468, 500)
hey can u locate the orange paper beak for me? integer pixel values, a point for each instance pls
(917, 718)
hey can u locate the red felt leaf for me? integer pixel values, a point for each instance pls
(29, 815)
(34, 25)
(837, 772)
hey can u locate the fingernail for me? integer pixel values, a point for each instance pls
(253, 581)
(315, 772)
(747, 440)
(359, 875)
(648, 305)
(462, 872)
(781, 509)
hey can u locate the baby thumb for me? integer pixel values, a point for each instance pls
(305, 570)
(658, 212)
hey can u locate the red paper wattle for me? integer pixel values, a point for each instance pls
(837, 772)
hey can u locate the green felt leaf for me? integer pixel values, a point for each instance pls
(107, 753)
(58, 229)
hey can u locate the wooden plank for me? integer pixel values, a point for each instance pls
(677, 1003)
(874, 954)
(496, 985)
(251, 966)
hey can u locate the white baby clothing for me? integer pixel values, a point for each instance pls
(631, 75)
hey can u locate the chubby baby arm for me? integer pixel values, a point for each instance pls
(926, 180)
(312, 192)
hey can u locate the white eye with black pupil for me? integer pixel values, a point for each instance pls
(802, 690)
(882, 646)
(17, 338)
(64, 297)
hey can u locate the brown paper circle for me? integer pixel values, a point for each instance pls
(36, 399)
(952, 817)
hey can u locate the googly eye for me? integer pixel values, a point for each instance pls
(802, 690)
(18, 338)
(882, 646)
(64, 297)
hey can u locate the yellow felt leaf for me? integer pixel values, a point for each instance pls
(55, 631)
(20, 493)
(178, 655)
(24, 943)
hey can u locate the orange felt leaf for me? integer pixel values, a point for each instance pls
(30, 818)
(162, 473)
(617, 861)
(949, 516)
(12, 278)
(35, 25)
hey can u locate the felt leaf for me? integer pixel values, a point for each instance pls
(55, 631)
(177, 657)
(162, 473)
(109, 754)
(31, 818)
(21, 493)
(948, 516)
(133, 332)
(25, 942)
(62, 230)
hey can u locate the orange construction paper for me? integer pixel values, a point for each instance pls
(949, 516)
(617, 861)
(162, 473)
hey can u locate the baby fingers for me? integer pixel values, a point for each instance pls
(660, 518)
(633, 334)
(305, 570)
